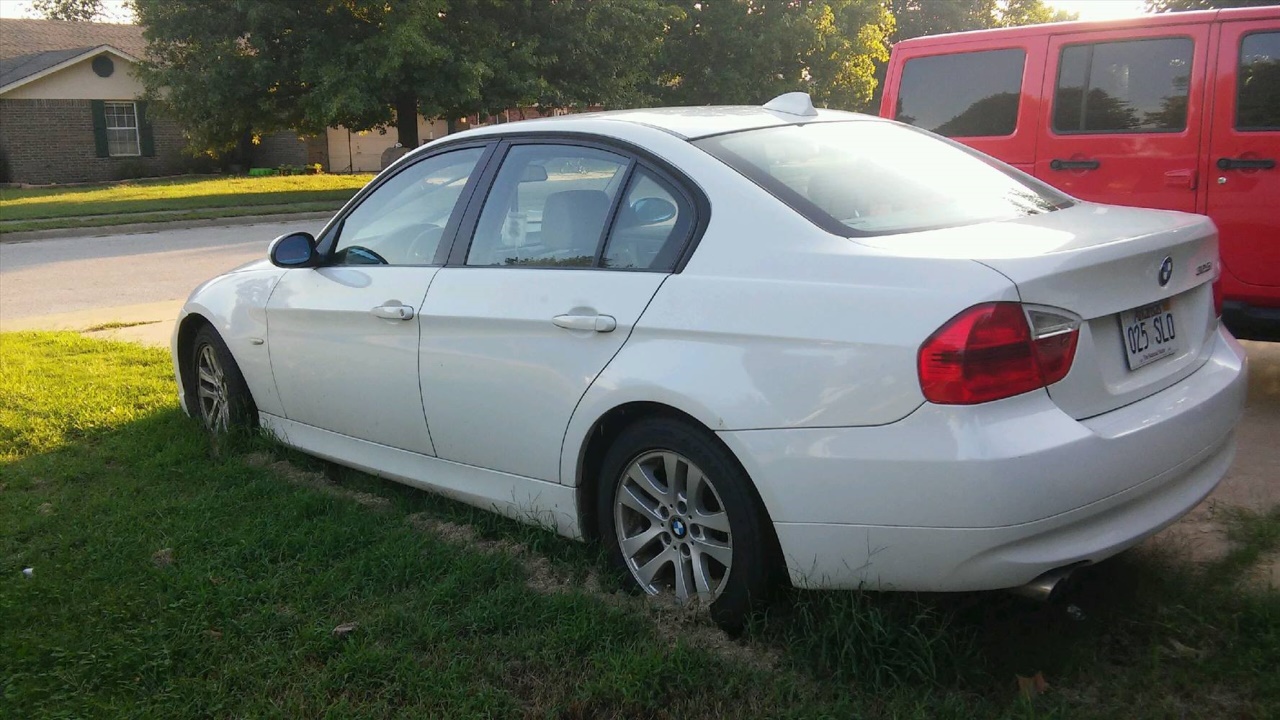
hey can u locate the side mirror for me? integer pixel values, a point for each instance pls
(294, 250)
(653, 210)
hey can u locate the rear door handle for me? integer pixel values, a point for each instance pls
(393, 312)
(1246, 164)
(597, 323)
(1057, 164)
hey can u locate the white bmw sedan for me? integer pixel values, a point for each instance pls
(744, 345)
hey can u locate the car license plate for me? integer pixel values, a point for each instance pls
(1149, 333)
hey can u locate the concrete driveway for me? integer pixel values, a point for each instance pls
(138, 280)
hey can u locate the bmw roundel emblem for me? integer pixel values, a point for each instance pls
(677, 528)
(1166, 271)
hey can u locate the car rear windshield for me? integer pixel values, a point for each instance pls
(875, 178)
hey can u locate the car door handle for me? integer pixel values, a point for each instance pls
(1246, 164)
(393, 312)
(1057, 164)
(598, 323)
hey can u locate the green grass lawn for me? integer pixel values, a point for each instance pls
(172, 199)
(175, 577)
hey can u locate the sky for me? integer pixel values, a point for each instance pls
(1089, 9)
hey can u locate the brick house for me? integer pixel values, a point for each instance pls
(71, 109)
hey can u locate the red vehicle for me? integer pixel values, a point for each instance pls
(1178, 111)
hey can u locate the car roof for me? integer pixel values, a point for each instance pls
(689, 123)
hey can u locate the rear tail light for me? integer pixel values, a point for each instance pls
(996, 350)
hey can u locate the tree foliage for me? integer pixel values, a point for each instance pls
(224, 67)
(73, 10)
(933, 17)
(1185, 5)
(747, 51)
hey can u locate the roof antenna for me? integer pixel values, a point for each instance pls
(792, 103)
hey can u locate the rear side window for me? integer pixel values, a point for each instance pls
(874, 178)
(965, 95)
(1258, 88)
(1123, 87)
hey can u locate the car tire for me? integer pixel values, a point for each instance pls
(675, 533)
(217, 395)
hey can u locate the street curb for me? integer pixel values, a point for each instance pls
(136, 228)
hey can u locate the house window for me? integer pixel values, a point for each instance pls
(122, 129)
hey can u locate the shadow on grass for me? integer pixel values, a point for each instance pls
(238, 617)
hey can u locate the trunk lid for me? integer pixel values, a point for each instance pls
(1101, 262)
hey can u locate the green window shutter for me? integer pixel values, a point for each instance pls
(146, 138)
(99, 127)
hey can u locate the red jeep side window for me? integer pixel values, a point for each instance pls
(1258, 83)
(1123, 87)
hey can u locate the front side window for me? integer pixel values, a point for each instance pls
(873, 178)
(963, 95)
(548, 207)
(1258, 83)
(122, 129)
(1123, 87)
(402, 221)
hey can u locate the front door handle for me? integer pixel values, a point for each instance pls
(393, 312)
(1246, 164)
(597, 323)
(1057, 164)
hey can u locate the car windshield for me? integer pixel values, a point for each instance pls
(874, 178)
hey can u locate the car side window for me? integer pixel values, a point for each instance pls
(1123, 87)
(548, 207)
(651, 226)
(402, 221)
(1258, 83)
(972, 94)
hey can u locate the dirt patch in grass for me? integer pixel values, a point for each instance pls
(671, 621)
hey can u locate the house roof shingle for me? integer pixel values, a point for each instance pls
(14, 69)
(23, 38)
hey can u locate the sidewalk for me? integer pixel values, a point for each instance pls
(149, 323)
(151, 227)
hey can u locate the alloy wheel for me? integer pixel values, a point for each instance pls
(672, 528)
(211, 389)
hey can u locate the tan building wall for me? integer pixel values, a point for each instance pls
(351, 151)
(79, 82)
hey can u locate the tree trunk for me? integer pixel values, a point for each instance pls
(407, 120)
(452, 125)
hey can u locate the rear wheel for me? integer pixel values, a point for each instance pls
(217, 394)
(678, 514)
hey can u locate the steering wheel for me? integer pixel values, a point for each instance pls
(357, 255)
(427, 240)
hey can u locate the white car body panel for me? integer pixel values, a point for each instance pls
(235, 304)
(797, 347)
(549, 505)
(985, 480)
(339, 367)
(499, 379)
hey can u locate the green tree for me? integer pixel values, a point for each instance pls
(747, 51)
(227, 68)
(1185, 5)
(75, 10)
(916, 18)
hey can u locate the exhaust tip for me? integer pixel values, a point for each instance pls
(1048, 586)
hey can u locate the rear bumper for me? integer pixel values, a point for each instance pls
(990, 496)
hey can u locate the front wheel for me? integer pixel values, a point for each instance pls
(679, 515)
(217, 394)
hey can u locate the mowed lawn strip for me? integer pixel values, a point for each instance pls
(175, 577)
(176, 198)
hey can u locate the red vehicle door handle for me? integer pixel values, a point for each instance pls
(1246, 164)
(1056, 164)
(1181, 178)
